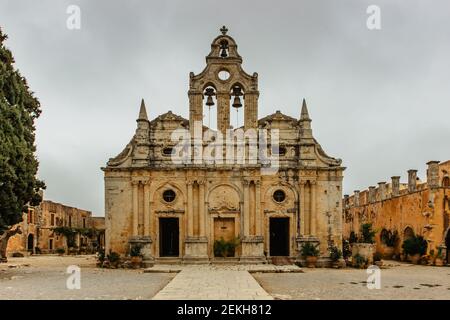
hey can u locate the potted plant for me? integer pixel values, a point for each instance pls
(100, 258)
(415, 247)
(377, 259)
(346, 250)
(389, 239)
(310, 253)
(113, 259)
(224, 249)
(439, 259)
(136, 256)
(60, 251)
(336, 257)
(365, 247)
(359, 261)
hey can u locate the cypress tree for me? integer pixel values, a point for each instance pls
(19, 186)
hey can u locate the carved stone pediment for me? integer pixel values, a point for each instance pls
(224, 198)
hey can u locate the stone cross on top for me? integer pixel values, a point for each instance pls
(224, 30)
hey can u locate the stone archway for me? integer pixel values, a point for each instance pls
(30, 242)
(447, 244)
(408, 233)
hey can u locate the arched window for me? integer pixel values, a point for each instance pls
(384, 234)
(446, 182)
(223, 48)
(209, 96)
(237, 102)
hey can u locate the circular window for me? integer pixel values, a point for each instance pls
(223, 75)
(169, 195)
(279, 196)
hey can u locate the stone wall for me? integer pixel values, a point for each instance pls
(418, 206)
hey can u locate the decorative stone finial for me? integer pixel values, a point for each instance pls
(143, 111)
(304, 114)
(224, 30)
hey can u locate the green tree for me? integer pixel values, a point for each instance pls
(19, 109)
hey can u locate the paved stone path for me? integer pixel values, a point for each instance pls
(213, 282)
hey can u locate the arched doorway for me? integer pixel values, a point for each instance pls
(447, 244)
(408, 233)
(30, 242)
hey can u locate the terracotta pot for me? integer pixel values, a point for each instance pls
(311, 261)
(439, 262)
(388, 252)
(415, 259)
(136, 262)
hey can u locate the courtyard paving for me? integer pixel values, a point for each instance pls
(206, 282)
(401, 281)
(44, 277)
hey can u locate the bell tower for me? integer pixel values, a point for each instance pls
(224, 81)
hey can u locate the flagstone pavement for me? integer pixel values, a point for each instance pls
(207, 282)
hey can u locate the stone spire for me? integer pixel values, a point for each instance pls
(305, 122)
(304, 115)
(143, 112)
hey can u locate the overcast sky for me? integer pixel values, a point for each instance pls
(379, 99)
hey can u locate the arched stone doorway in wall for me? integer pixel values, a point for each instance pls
(30, 242)
(408, 233)
(447, 244)
(224, 211)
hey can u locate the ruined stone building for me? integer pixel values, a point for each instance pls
(415, 207)
(177, 210)
(38, 234)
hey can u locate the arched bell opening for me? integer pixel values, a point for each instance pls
(210, 107)
(224, 48)
(237, 102)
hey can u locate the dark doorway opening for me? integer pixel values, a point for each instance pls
(279, 237)
(30, 242)
(169, 237)
(447, 244)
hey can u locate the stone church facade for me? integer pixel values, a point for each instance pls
(177, 210)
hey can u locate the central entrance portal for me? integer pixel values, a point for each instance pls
(279, 237)
(169, 239)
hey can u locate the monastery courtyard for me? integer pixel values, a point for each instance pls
(44, 277)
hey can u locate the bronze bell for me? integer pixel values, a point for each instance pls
(223, 53)
(237, 102)
(209, 101)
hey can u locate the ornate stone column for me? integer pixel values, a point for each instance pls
(223, 111)
(252, 245)
(201, 207)
(190, 209)
(147, 219)
(246, 184)
(302, 208)
(142, 238)
(196, 247)
(251, 110)
(195, 109)
(135, 187)
(259, 217)
(313, 210)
